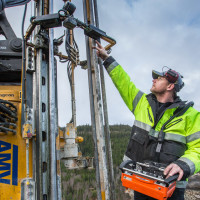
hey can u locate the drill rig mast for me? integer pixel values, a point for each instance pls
(30, 140)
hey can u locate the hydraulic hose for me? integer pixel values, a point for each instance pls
(8, 117)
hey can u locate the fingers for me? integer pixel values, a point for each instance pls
(173, 169)
(180, 175)
(99, 45)
(101, 52)
(167, 169)
(97, 48)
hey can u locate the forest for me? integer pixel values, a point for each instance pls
(81, 184)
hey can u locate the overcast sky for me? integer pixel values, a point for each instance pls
(150, 34)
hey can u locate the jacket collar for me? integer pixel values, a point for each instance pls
(153, 102)
(177, 101)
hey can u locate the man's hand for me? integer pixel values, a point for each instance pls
(101, 52)
(173, 169)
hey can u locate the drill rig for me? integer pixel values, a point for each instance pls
(30, 140)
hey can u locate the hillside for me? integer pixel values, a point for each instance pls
(81, 184)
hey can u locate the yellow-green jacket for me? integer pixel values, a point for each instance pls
(181, 136)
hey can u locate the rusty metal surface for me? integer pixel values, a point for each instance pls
(96, 106)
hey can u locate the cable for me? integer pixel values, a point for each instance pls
(23, 64)
(8, 117)
(72, 51)
(7, 110)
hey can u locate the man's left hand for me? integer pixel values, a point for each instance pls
(173, 169)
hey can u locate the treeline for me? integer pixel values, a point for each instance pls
(113, 128)
(81, 184)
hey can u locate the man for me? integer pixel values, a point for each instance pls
(166, 129)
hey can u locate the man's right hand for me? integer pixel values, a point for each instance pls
(101, 52)
(173, 169)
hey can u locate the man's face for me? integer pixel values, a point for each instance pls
(160, 85)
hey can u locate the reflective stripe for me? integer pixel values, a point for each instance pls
(169, 136)
(175, 137)
(189, 163)
(142, 125)
(181, 184)
(136, 100)
(125, 158)
(112, 66)
(193, 137)
(153, 133)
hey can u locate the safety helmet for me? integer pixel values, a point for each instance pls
(172, 76)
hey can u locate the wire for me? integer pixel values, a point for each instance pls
(23, 64)
(72, 51)
(8, 117)
(23, 20)
(165, 67)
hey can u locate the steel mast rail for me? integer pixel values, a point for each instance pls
(43, 77)
(96, 105)
(92, 107)
(106, 121)
(54, 189)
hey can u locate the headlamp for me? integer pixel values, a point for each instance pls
(171, 76)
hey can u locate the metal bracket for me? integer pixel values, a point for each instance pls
(79, 163)
(30, 66)
(40, 42)
(28, 126)
(28, 189)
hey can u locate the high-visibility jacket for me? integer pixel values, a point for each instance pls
(181, 143)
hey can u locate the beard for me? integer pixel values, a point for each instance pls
(156, 91)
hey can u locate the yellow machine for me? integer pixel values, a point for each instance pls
(14, 159)
(13, 151)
